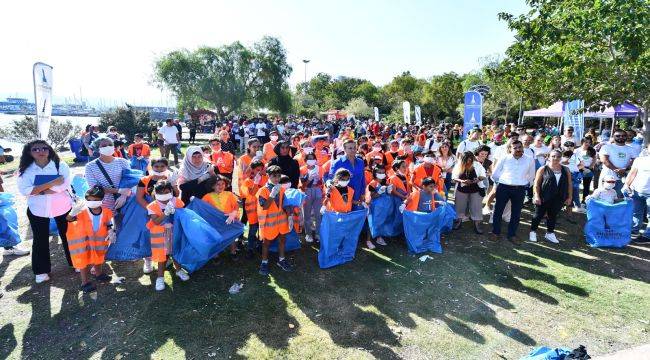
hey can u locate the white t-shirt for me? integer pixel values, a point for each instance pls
(574, 160)
(641, 182)
(573, 139)
(541, 152)
(169, 134)
(584, 156)
(467, 145)
(619, 156)
(260, 129)
(607, 196)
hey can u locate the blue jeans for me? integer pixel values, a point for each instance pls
(576, 179)
(253, 241)
(641, 208)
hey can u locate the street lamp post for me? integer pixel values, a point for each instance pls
(306, 61)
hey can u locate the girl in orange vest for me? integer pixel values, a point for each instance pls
(376, 187)
(272, 217)
(89, 233)
(223, 161)
(161, 227)
(338, 197)
(225, 201)
(425, 199)
(139, 149)
(269, 147)
(253, 152)
(428, 169)
(401, 184)
(248, 189)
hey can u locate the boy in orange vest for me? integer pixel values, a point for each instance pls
(425, 199)
(161, 226)
(273, 219)
(248, 188)
(225, 201)
(223, 161)
(90, 230)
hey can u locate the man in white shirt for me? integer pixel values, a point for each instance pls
(514, 173)
(638, 184)
(617, 159)
(568, 136)
(471, 143)
(171, 138)
(433, 144)
(260, 127)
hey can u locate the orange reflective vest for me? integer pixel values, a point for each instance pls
(227, 204)
(367, 175)
(269, 150)
(413, 201)
(224, 161)
(248, 190)
(145, 150)
(335, 202)
(273, 220)
(321, 156)
(158, 251)
(421, 139)
(403, 186)
(86, 246)
(390, 158)
(420, 173)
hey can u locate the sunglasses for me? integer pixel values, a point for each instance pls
(40, 149)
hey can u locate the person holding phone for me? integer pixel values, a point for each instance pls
(45, 181)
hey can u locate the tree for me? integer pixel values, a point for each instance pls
(359, 108)
(128, 121)
(26, 129)
(405, 87)
(597, 51)
(442, 95)
(227, 76)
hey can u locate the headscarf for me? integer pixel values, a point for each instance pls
(190, 171)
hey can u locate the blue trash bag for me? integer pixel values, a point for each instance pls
(130, 178)
(292, 242)
(133, 240)
(608, 225)
(339, 234)
(381, 217)
(195, 241)
(546, 353)
(9, 235)
(217, 220)
(294, 197)
(76, 145)
(137, 164)
(54, 230)
(79, 185)
(447, 218)
(395, 227)
(422, 230)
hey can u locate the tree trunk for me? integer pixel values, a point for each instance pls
(646, 125)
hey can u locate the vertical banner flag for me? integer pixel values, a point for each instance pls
(376, 114)
(43, 97)
(407, 112)
(574, 116)
(473, 111)
(418, 115)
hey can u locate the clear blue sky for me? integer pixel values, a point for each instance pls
(107, 49)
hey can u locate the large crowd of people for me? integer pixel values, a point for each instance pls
(247, 167)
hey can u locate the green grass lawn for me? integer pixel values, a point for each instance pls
(477, 300)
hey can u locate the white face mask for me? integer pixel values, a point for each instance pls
(259, 153)
(565, 159)
(429, 160)
(381, 176)
(93, 204)
(343, 183)
(286, 186)
(308, 150)
(609, 186)
(311, 162)
(164, 197)
(156, 173)
(107, 150)
(376, 148)
(274, 137)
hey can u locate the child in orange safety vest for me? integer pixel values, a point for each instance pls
(90, 230)
(425, 199)
(339, 196)
(161, 227)
(273, 219)
(225, 201)
(248, 188)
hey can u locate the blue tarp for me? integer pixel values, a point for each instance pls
(133, 238)
(396, 226)
(195, 241)
(79, 185)
(294, 197)
(9, 235)
(75, 146)
(139, 164)
(422, 230)
(381, 218)
(339, 234)
(608, 225)
(447, 218)
(291, 243)
(130, 178)
(546, 353)
(217, 220)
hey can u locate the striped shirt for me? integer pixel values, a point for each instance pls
(94, 176)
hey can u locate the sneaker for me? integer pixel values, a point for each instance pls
(370, 245)
(42, 278)
(182, 274)
(264, 269)
(160, 284)
(16, 251)
(579, 210)
(284, 265)
(551, 238)
(147, 268)
(77, 271)
(487, 210)
(103, 278)
(381, 241)
(88, 287)
(309, 239)
(532, 236)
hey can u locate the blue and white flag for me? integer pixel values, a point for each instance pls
(42, 74)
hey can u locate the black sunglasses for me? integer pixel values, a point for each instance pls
(40, 149)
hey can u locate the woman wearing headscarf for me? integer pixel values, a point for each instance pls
(289, 166)
(193, 172)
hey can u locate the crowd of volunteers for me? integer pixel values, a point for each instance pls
(249, 167)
